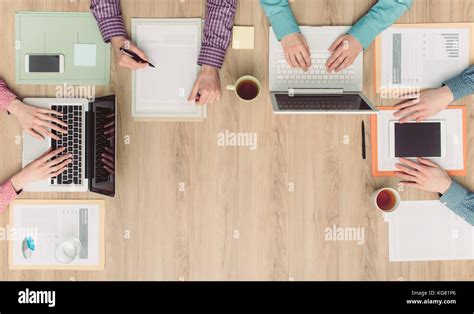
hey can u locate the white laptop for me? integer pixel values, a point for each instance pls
(316, 91)
(86, 140)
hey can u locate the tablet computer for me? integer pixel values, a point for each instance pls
(412, 139)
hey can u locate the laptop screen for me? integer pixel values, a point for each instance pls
(343, 102)
(102, 146)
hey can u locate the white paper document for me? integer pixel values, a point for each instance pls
(422, 57)
(428, 231)
(56, 236)
(173, 46)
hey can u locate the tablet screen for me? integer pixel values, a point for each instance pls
(418, 139)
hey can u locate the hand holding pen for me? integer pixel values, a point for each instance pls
(135, 57)
(127, 60)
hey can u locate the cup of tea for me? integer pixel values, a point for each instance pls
(386, 199)
(247, 88)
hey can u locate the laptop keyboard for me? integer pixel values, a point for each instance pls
(73, 117)
(316, 74)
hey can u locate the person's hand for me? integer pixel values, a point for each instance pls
(425, 175)
(42, 168)
(343, 53)
(296, 51)
(124, 60)
(207, 88)
(36, 121)
(425, 105)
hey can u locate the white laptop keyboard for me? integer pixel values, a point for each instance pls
(72, 142)
(317, 74)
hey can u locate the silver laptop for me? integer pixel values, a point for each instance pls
(316, 91)
(86, 140)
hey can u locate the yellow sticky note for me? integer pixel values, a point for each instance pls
(243, 37)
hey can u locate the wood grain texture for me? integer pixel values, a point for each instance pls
(237, 218)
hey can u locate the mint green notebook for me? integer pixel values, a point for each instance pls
(75, 35)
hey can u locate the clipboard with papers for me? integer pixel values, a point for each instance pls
(173, 46)
(412, 56)
(57, 235)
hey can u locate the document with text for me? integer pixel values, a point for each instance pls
(173, 46)
(57, 235)
(423, 57)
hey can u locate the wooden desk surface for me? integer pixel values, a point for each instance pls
(237, 218)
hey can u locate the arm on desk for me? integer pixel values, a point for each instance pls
(109, 18)
(6, 96)
(463, 84)
(7, 194)
(460, 201)
(383, 14)
(217, 32)
(280, 16)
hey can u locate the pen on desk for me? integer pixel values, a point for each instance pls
(364, 155)
(134, 56)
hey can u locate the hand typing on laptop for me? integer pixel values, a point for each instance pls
(296, 50)
(344, 51)
(45, 167)
(36, 121)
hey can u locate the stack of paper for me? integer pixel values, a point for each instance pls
(172, 45)
(427, 231)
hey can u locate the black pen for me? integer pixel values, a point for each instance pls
(364, 154)
(134, 56)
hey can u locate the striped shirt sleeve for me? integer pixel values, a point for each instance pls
(6, 96)
(217, 32)
(109, 18)
(7, 194)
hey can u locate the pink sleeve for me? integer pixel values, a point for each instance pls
(7, 194)
(6, 95)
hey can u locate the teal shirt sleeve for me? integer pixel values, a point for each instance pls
(280, 16)
(460, 201)
(383, 14)
(463, 84)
